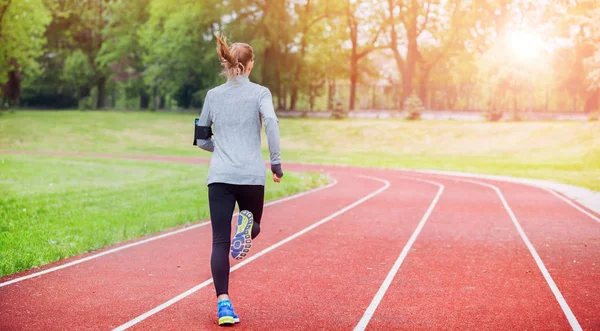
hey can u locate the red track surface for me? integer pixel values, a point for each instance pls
(468, 269)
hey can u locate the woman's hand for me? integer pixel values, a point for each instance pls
(277, 172)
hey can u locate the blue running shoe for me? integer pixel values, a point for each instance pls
(225, 313)
(236, 318)
(242, 241)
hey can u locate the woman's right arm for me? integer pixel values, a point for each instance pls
(205, 120)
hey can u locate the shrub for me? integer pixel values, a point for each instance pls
(414, 107)
(594, 116)
(516, 116)
(338, 111)
(493, 115)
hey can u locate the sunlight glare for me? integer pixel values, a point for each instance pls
(524, 45)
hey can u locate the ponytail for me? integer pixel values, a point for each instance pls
(235, 58)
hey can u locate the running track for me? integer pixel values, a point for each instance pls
(375, 250)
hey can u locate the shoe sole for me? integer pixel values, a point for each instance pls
(242, 241)
(226, 320)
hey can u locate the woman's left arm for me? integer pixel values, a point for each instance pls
(272, 131)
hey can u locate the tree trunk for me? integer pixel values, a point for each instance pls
(373, 97)
(406, 68)
(144, 100)
(469, 92)
(294, 97)
(311, 100)
(423, 87)
(353, 79)
(397, 56)
(265, 68)
(97, 45)
(2, 12)
(592, 103)
(294, 93)
(452, 97)
(547, 98)
(282, 97)
(79, 94)
(187, 97)
(156, 99)
(113, 97)
(296, 78)
(411, 64)
(330, 94)
(281, 91)
(306, 27)
(12, 88)
(531, 101)
(101, 93)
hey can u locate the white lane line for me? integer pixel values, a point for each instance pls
(137, 243)
(573, 204)
(257, 255)
(538, 260)
(362, 324)
(534, 183)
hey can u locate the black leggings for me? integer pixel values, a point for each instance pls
(222, 199)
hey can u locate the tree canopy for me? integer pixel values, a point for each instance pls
(451, 54)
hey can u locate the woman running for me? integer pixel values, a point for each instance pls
(236, 111)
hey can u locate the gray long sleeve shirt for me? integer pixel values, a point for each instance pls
(236, 111)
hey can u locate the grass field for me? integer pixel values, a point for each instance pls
(55, 207)
(567, 152)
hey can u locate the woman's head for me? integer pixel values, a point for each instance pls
(237, 59)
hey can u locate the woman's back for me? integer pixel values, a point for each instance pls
(236, 111)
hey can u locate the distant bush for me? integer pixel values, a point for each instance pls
(493, 115)
(338, 112)
(414, 107)
(594, 116)
(515, 116)
(85, 103)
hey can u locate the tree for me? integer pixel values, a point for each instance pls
(22, 27)
(454, 76)
(12, 89)
(503, 76)
(576, 26)
(326, 60)
(593, 62)
(414, 22)
(77, 72)
(180, 57)
(448, 31)
(308, 16)
(414, 107)
(162, 52)
(121, 51)
(365, 27)
(78, 25)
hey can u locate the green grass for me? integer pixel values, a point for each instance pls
(567, 152)
(54, 207)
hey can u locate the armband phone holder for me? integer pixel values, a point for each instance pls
(201, 132)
